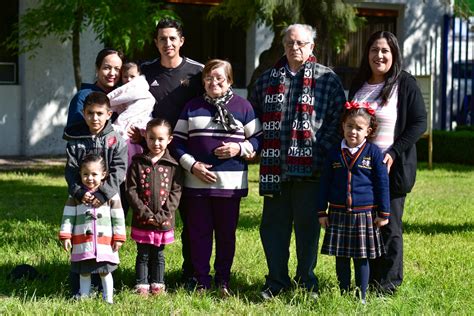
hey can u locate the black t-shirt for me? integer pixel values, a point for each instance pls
(173, 87)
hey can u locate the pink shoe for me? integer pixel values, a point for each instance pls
(158, 288)
(142, 289)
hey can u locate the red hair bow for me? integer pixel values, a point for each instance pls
(354, 105)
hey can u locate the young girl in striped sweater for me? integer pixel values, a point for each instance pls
(94, 235)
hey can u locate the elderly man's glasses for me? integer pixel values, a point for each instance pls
(300, 44)
(210, 79)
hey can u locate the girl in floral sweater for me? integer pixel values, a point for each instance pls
(95, 234)
(153, 190)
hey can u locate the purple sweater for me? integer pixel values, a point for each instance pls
(196, 136)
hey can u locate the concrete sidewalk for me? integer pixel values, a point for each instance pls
(15, 162)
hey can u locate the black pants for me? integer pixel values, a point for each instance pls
(387, 271)
(150, 264)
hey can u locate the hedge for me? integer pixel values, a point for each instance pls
(449, 147)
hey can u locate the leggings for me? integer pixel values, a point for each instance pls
(361, 269)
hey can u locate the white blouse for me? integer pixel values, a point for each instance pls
(386, 115)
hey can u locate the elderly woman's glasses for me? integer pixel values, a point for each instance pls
(300, 44)
(210, 79)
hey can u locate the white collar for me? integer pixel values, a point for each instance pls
(352, 150)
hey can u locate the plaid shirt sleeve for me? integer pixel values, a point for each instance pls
(257, 96)
(330, 99)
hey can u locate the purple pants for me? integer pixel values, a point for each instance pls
(206, 216)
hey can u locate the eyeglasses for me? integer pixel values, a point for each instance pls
(210, 79)
(300, 44)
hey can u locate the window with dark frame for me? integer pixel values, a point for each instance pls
(8, 60)
(346, 63)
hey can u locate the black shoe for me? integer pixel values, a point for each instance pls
(313, 293)
(269, 293)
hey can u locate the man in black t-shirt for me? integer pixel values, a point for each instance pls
(173, 79)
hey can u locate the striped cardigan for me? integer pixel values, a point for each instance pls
(93, 230)
(196, 136)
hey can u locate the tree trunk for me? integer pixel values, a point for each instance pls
(76, 49)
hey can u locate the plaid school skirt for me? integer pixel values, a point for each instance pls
(352, 235)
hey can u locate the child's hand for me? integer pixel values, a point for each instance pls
(67, 244)
(87, 198)
(379, 222)
(95, 202)
(117, 245)
(324, 222)
(152, 221)
(165, 225)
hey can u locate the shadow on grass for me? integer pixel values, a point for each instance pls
(437, 228)
(52, 281)
(446, 166)
(22, 201)
(249, 221)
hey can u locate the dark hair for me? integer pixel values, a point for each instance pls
(97, 97)
(391, 77)
(217, 63)
(159, 122)
(106, 52)
(94, 158)
(168, 23)
(364, 113)
(130, 64)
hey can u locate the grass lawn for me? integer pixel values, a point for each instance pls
(439, 251)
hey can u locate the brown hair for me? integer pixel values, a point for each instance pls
(159, 122)
(391, 77)
(365, 114)
(129, 65)
(97, 97)
(89, 158)
(106, 52)
(217, 63)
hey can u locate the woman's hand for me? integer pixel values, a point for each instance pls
(227, 150)
(134, 134)
(388, 160)
(201, 170)
(379, 222)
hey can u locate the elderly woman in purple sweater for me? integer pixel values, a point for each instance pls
(214, 134)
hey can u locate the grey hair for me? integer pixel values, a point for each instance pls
(305, 27)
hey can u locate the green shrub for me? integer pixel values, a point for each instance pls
(448, 147)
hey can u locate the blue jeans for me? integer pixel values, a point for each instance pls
(150, 264)
(296, 206)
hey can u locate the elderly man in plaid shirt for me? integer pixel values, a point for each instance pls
(299, 103)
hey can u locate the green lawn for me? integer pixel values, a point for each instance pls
(439, 249)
